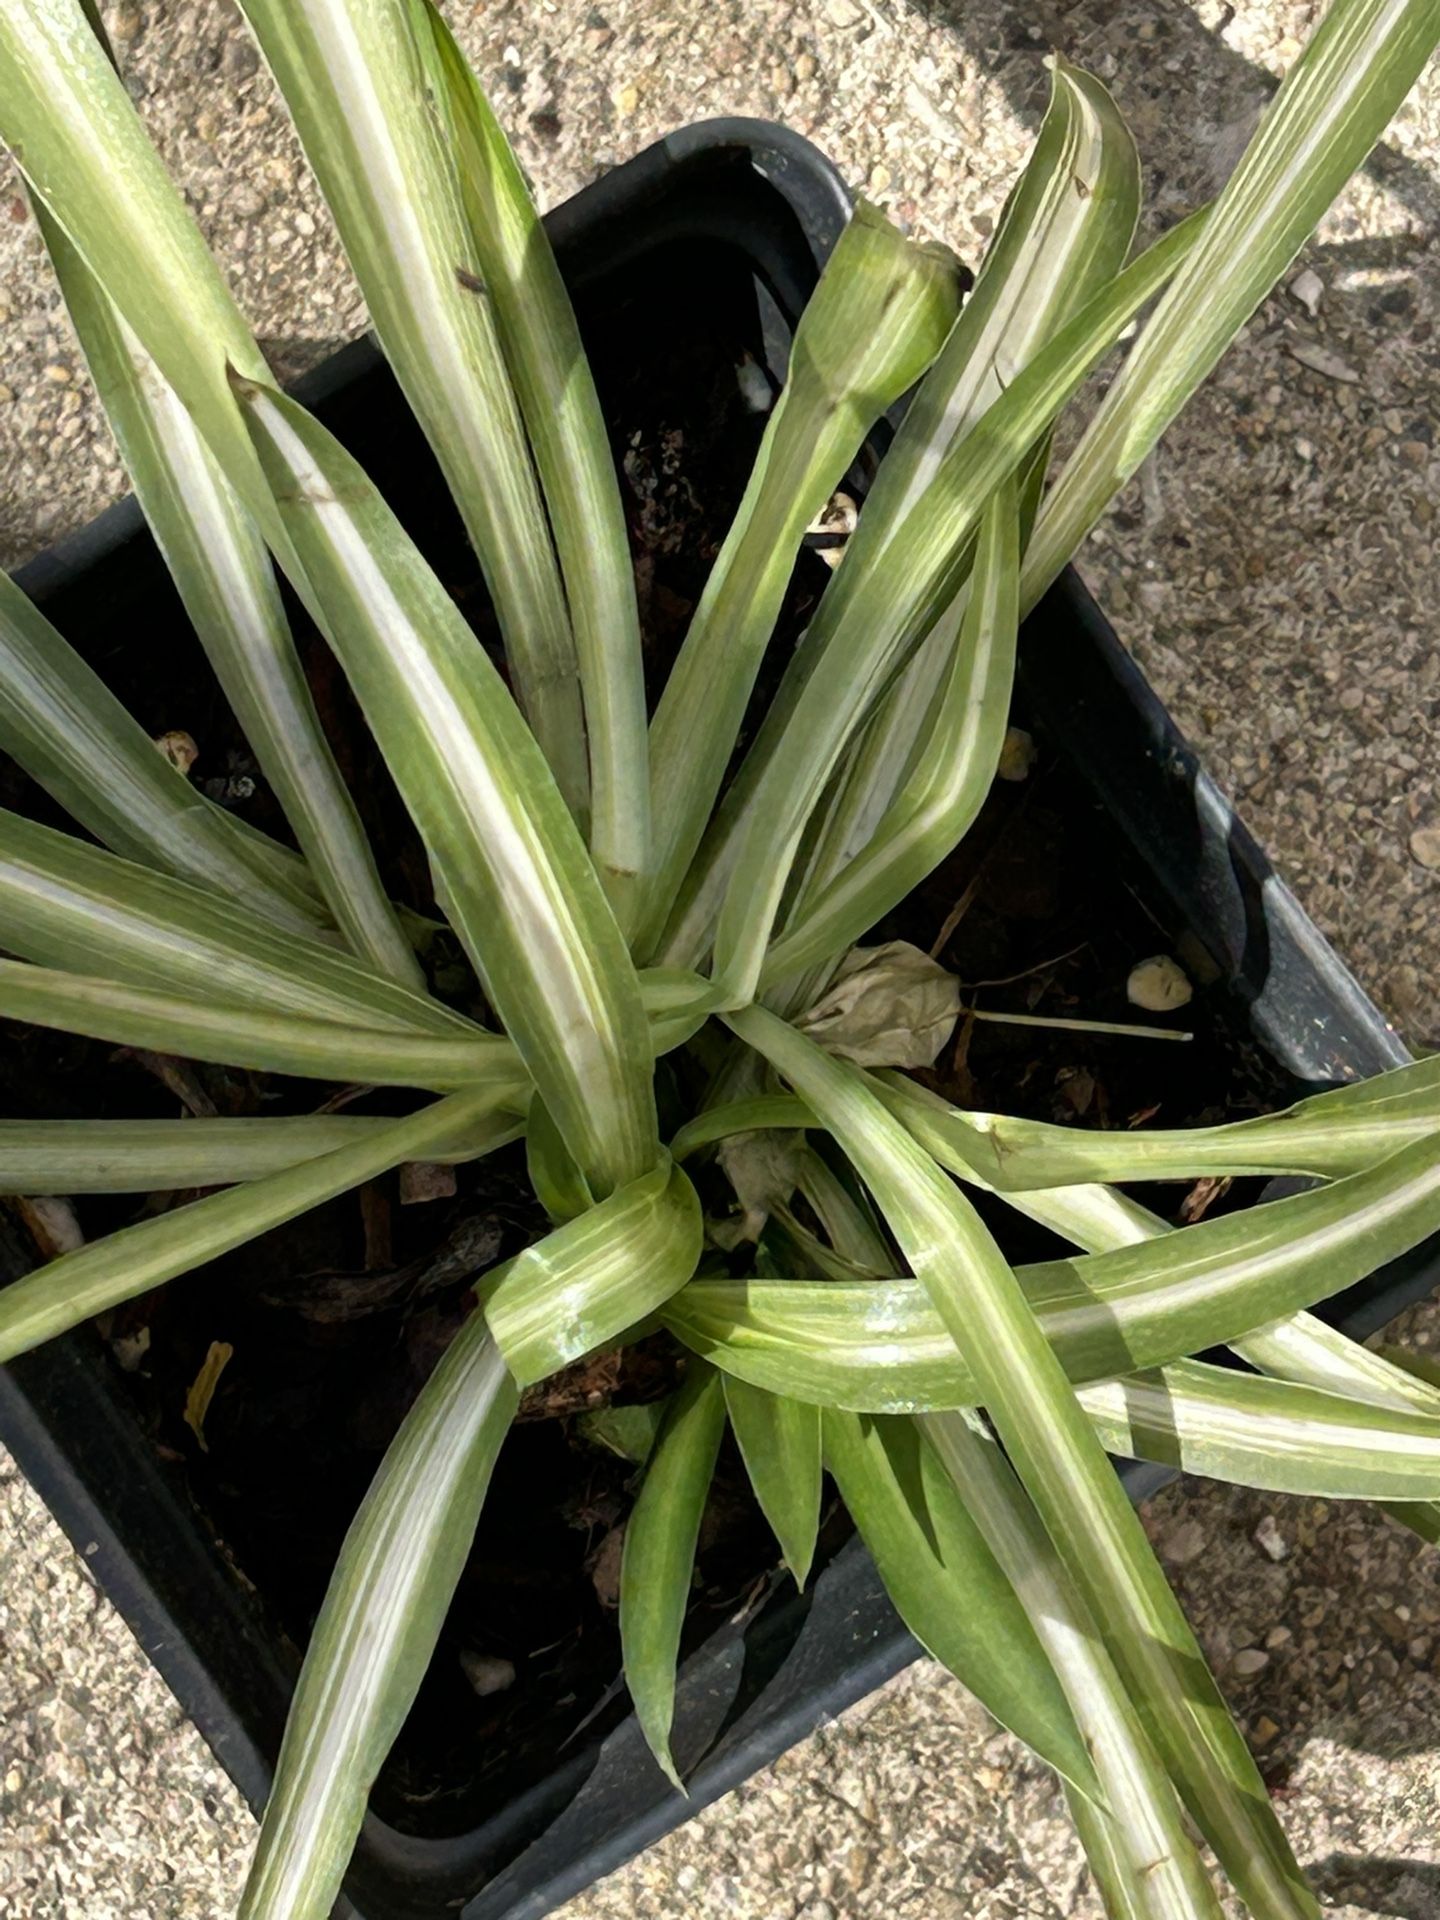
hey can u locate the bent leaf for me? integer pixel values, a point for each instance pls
(876, 320)
(584, 1284)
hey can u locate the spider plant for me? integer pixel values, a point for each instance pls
(624, 892)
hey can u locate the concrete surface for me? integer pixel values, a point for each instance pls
(1275, 571)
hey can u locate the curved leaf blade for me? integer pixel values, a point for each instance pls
(588, 1281)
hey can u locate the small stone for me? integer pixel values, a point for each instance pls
(880, 177)
(244, 201)
(1305, 448)
(804, 68)
(304, 224)
(1415, 453)
(240, 60)
(7, 394)
(1017, 755)
(627, 101)
(782, 81)
(1264, 1731)
(1309, 289)
(126, 23)
(1321, 360)
(843, 13)
(1183, 1543)
(487, 1674)
(1278, 1637)
(57, 374)
(1270, 1540)
(1351, 699)
(1159, 985)
(179, 749)
(1425, 846)
(1250, 1660)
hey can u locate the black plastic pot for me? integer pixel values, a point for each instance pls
(742, 213)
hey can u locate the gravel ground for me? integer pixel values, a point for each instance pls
(1273, 568)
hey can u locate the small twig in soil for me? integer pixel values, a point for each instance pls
(1009, 979)
(1118, 1028)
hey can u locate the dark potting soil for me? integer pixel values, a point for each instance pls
(274, 1378)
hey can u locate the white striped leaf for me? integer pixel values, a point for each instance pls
(592, 1279)
(546, 358)
(66, 904)
(1060, 1462)
(883, 1345)
(509, 865)
(147, 1156)
(64, 727)
(355, 83)
(93, 1278)
(876, 320)
(222, 571)
(1334, 104)
(953, 768)
(377, 1629)
(1144, 1827)
(1065, 231)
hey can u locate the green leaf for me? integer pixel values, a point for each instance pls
(81, 1284)
(71, 126)
(952, 771)
(1274, 1434)
(546, 359)
(217, 558)
(148, 1156)
(1144, 1829)
(268, 1042)
(65, 903)
(885, 616)
(377, 1630)
(883, 1345)
(63, 726)
(1329, 1135)
(276, 1042)
(560, 1186)
(753, 1115)
(876, 320)
(587, 1282)
(1061, 1464)
(1065, 231)
(509, 864)
(355, 83)
(659, 1557)
(946, 1585)
(1336, 101)
(779, 1441)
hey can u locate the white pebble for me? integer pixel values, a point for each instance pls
(1159, 984)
